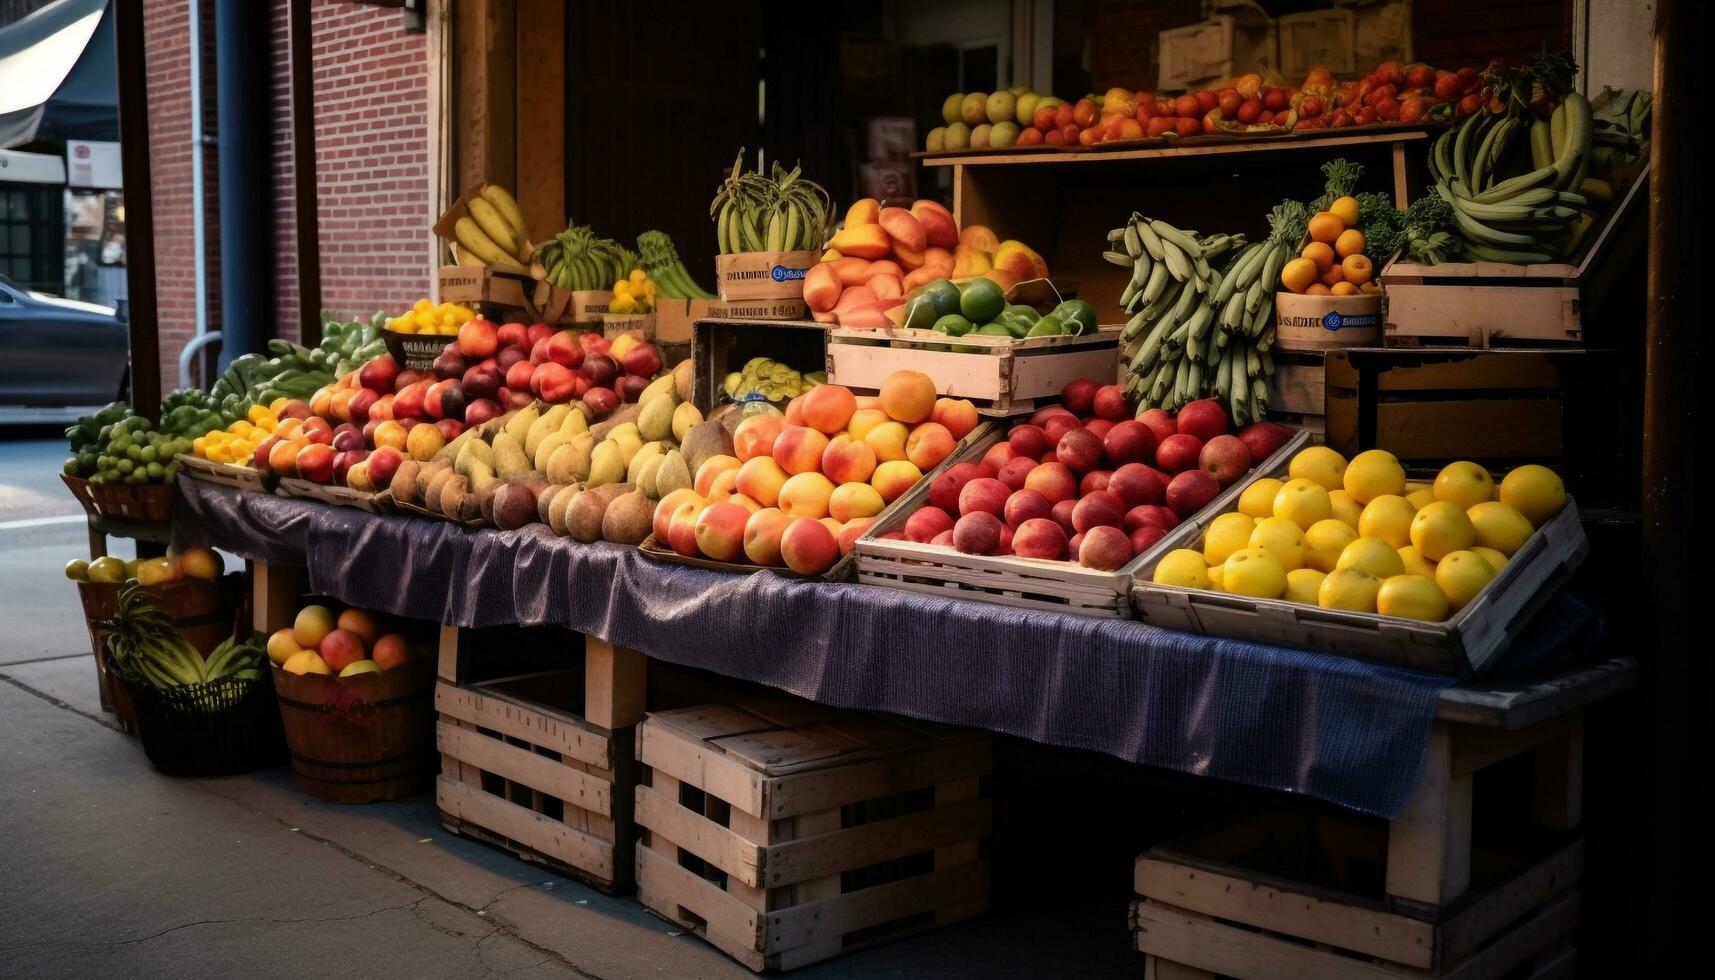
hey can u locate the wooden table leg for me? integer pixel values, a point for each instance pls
(1429, 843)
(97, 543)
(1558, 800)
(614, 681)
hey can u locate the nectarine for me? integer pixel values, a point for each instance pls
(798, 448)
(894, 477)
(908, 396)
(719, 531)
(755, 436)
(808, 547)
(806, 495)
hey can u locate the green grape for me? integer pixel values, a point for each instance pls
(124, 466)
(156, 471)
(70, 467)
(147, 454)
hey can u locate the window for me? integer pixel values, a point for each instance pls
(31, 252)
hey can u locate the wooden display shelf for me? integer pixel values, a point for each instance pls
(1190, 146)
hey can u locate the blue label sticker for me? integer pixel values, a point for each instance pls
(782, 274)
(1335, 320)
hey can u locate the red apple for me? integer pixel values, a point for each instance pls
(1057, 426)
(1099, 427)
(562, 348)
(1144, 537)
(1028, 440)
(432, 399)
(348, 440)
(1093, 481)
(643, 360)
(315, 462)
(1104, 547)
(1080, 450)
(478, 338)
(600, 370)
(378, 374)
(383, 463)
(1055, 481)
(553, 382)
(483, 380)
(480, 411)
(405, 379)
(1040, 417)
(927, 522)
(1099, 509)
(1079, 396)
(1190, 491)
(1263, 439)
(978, 533)
(1040, 538)
(1111, 403)
(1159, 422)
(450, 363)
(1025, 505)
(513, 335)
(1204, 418)
(1178, 452)
(505, 357)
(1150, 515)
(518, 375)
(362, 400)
(516, 399)
(997, 456)
(631, 386)
(539, 351)
(1135, 483)
(1016, 471)
(1225, 458)
(942, 540)
(344, 461)
(1129, 441)
(602, 400)
(1061, 514)
(984, 494)
(450, 428)
(944, 490)
(537, 331)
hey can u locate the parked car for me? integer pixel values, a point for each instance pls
(56, 352)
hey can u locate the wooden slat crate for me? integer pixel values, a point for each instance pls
(1007, 377)
(541, 763)
(1296, 391)
(785, 833)
(225, 474)
(720, 346)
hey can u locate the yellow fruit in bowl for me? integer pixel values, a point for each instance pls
(1345, 508)
(1215, 577)
(1461, 575)
(1281, 538)
(1415, 563)
(1227, 534)
(1465, 484)
(1536, 491)
(1324, 542)
(1387, 517)
(1351, 589)
(1441, 529)
(1258, 498)
(1184, 568)
(1420, 498)
(1303, 502)
(1253, 572)
(154, 571)
(282, 645)
(1372, 555)
(1304, 585)
(306, 662)
(1319, 464)
(1496, 560)
(1373, 473)
(1499, 526)
(1412, 596)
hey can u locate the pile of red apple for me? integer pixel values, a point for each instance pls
(1085, 481)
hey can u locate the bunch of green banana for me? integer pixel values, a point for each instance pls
(661, 262)
(492, 230)
(1196, 330)
(237, 659)
(1533, 217)
(770, 379)
(781, 212)
(577, 259)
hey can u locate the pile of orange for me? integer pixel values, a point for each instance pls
(1332, 263)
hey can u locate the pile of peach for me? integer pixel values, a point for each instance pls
(800, 488)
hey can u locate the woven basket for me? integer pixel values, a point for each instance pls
(151, 502)
(80, 489)
(216, 729)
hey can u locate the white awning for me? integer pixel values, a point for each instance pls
(36, 54)
(31, 168)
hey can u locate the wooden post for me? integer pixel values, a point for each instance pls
(306, 224)
(614, 681)
(485, 126)
(1429, 843)
(541, 101)
(1559, 781)
(139, 212)
(274, 595)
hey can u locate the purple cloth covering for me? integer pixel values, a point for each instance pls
(1327, 726)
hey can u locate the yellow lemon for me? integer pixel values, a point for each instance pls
(1254, 572)
(1372, 555)
(1465, 484)
(1227, 534)
(1349, 588)
(1321, 464)
(1496, 560)
(1387, 517)
(1184, 568)
(1215, 577)
(1373, 473)
(1441, 529)
(1536, 492)
(1345, 508)
(1304, 585)
(1412, 597)
(1258, 498)
(1462, 575)
(1415, 563)
(1420, 498)
(1282, 539)
(1499, 526)
(1303, 502)
(1324, 542)
(306, 662)
(1412, 486)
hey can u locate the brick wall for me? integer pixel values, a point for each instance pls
(372, 152)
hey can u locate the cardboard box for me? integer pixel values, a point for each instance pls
(763, 275)
(1381, 31)
(1317, 37)
(675, 319)
(1221, 47)
(477, 285)
(892, 138)
(892, 182)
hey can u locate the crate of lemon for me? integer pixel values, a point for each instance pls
(1355, 558)
(1328, 296)
(223, 456)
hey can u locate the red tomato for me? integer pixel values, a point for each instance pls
(1420, 76)
(1111, 126)
(1467, 76)
(1055, 138)
(1447, 87)
(1340, 119)
(1319, 122)
(1207, 100)
(1229, 101)
(1387, 110)
(1159, 126)
(1044, 118)
(1187, 106)
(1145, 106)
(1276, 99)
(1084, 113)
(1063, 115)
(1088, 137)
(1031, 136)
(1411, 110)
(1130, 129)
(1249, 110)
(1469, 104)
(1366, 115)
(1390, 73)
(1375, 95)
(1069, 134)
(1309, 107)
(1266, 118)
(1189, 126)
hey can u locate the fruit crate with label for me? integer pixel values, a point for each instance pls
(786, 833)
(1003, 375)
(722, 346)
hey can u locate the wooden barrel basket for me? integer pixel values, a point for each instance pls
(360, 739)
(203, 611)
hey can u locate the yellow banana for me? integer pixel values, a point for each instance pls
(493, 225)
(508, 208)
(467, 257)
(471, 237)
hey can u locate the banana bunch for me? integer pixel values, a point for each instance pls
(777, 213)
(770, 379)
(1196, 330)
(661, 262)
(144, 645)
(492, 232)
(237, 659)
(577, 259)
(1533, 217)
(1622, 121)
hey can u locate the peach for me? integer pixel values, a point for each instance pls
(998, 456)
(808, 547)
(944, 539)
(853, 500)
(908, 396)
(390, 434)
(720, 531)
(957, 415)
(1016, 471)
(894, 477)
(939, 228)
(828, 408)
(888, 440)
(925, 523)
(681, 527)
(868, 401)
(853, 530)
(834, 527)
(904, 228)
(850, 271)
(970, 262)
(390, 651)
(806, 495)
(1002, 278)
(1054, 481)
(341, 648)
(984, 494)
(668, 506)
(862, 241)
(364, 624)
(822, 287)
(886, 287)
(748, 503)
(1040, 537)
(760, 479)
(794, 414)
(938, 261)
(980, 237)
(848, 460)
(755, 436)
(1106, 548)
(311, 625)
(978, 533)
(864, 211)
(712, 467)
(762, 535)
(863, 421)
(928, 444)
(724, 485)
(1018, 259)
(799, 448)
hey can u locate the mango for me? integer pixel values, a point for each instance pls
(851, 271)
(939, 228)
(854, 297)
(939, 261)
(863, 241)
(822, 286)
(1020, 260)
(969, 261)
(980, 237)
(1002, 278)
(905, 230)
(908, 258)
(864, 211)
(886, 287)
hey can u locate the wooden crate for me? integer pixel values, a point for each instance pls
(785, 833)
(1026, 583)
(1296, 390)
(225, 474)
(541, 763)
(1497, 304)
(1314, 38)
(373, 503)
(1003, 376)
(720, 346)
(1223, 46)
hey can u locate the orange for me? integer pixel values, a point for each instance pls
(1343, 289)
(1326, 226)
(1332, 275)
(1357, 268)
(1350, 242)
(1298, 275)
(1319, 253)
(1369, 287)
(1316, 289)
(1346, 209)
